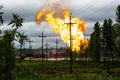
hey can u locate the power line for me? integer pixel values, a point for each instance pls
(83, 7)
(89, 6)
(98, 11)
(42, 36)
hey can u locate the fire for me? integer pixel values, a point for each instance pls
(57, 19)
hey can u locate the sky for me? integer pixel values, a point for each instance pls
(90, 11)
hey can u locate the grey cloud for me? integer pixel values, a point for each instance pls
(97, 12)
(29, 9)
(100, 16)
(33, 30)
(27, 14)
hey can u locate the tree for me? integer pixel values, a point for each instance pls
(107, 30)
(95, 42)
(9, 54)
(118, 14)
(22, 39)
(118, 30)
(16, 21)
(1, 47)
(118, 20)
(1, 19)
(1, 59)
(116, 42)
(8, 51)
(9, 38)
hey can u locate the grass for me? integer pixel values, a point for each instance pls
(82, 76)
(52, 70)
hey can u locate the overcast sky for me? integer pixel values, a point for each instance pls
(90, 11)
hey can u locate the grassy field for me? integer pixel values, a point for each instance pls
(60, 70)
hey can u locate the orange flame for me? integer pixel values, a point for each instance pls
(57, 20)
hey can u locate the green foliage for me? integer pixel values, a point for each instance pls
(8, 51)
(31, 70)
(118, 14)
(106, 40)
(31, 75)
(116, 41)
(107, 43)
(1, 19)
(117, 36)
(95, 42)
(16, 21)
(22, 38)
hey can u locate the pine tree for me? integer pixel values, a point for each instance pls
(118, 15)
(107, 41)
(118, 30)
(95, 42)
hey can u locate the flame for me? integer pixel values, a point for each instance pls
(57, 21)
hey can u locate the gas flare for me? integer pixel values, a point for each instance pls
(57, 18)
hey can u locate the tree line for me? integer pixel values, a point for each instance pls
(105, 41)
(7, 46)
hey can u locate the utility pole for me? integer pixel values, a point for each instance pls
(71, 56)
(66, 56)
(56, 48)
(42, 36)
(30, 47)
(46, 51)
